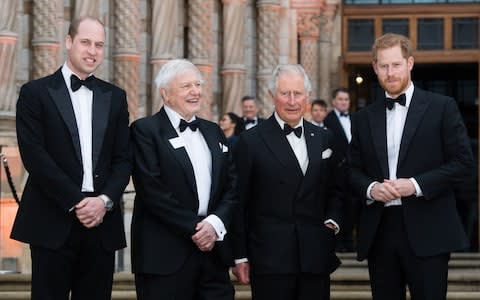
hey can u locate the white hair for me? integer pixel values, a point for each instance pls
(283, 69)
(172, 69)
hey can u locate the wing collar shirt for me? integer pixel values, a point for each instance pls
(201, 160)
(395, 124)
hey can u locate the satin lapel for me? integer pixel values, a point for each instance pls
(168, 132)
(100, 116)
(211, 137)
(377, 117)
(60, 96)
(278, 144)
(314, 145)
(415, 113)
(339, 127)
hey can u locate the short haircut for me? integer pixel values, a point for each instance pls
(247, 97)
(172, 69)
(319, 102)
(73, 28)
(390, 40)
(284, 69)
(339, 90)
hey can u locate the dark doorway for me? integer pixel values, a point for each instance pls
(459, 81)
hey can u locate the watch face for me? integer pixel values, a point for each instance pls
(109, 204)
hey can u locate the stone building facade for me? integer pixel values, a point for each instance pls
(235, 43)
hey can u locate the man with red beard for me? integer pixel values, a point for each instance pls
(407, 154)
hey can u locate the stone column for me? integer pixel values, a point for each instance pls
(200, 30)
(126, 58)
(45, 41)
(325, 46)
(233, 70)
(87, 8)
(267, 50)
(8, 41)
(308, 32)
(165, 17)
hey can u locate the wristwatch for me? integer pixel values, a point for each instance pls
(107, 202)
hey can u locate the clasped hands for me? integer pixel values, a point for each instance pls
(205, 237)
(90, 211)
(391, 189)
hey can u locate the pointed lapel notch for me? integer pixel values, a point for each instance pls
(168, 132)
(278, 144)
(100, 116)
(377, 117)
(60, 96)
(416, 111)
(216, 151)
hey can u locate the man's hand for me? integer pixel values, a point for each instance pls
(90, 211)
(403, 186)
(205, 236)
(384, 192)
(332, 227)
(242, 272)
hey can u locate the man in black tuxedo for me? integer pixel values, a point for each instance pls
(73, 136)
(339, 123)
(250, 112)
(186, 195)
(408, 153)
(289, 213)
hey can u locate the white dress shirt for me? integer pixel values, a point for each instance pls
(395, 124)
(346, 124)
(82, 102)
(201, 160)
(250, 125)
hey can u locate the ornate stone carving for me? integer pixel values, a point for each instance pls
(267, 51)
(87, 8)
(7, 15)
(308, 25)
(126, 56)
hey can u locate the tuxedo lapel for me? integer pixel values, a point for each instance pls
(100, 117)
(314, 145)
(339, 127)
(168, 132)
(278, 144)
(60, 96)
(416, 111)
(211, 137)
(377, 118)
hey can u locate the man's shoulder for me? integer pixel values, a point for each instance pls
(108, 85)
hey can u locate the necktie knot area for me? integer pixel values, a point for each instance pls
(184, 124)
(287, 129)
(76, 83)
(390, 102)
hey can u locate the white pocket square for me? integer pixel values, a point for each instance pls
(327, 153)
(223, 147)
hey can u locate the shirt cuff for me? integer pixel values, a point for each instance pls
(369, 190)
(217, 225)
(241, 260)
(334, 223)
(418, 190)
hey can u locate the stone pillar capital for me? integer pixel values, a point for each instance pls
(308, 25)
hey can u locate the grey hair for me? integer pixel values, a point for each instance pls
(172, 69)
(282, 69)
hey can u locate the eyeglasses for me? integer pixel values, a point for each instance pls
(188, 86)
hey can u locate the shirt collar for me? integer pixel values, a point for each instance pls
(175, 117)
(408, 94)
(67, 73)
(282, 122)
(337, 112)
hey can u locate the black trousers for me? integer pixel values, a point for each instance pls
(201, 277)
(290, 287)
(393, 265)
(81, 267)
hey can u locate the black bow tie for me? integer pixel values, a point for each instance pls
(249, 121)
(343, 114)
(287, 130)
(402, 100)
(184, 124)
(76, 83)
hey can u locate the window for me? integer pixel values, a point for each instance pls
(360, 35)
(430, 34)
(395, 26)
(465, 33)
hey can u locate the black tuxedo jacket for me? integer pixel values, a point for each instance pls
(280, 225)
(166, 202)
(49, 145)
(339, 138)
(434, 150)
